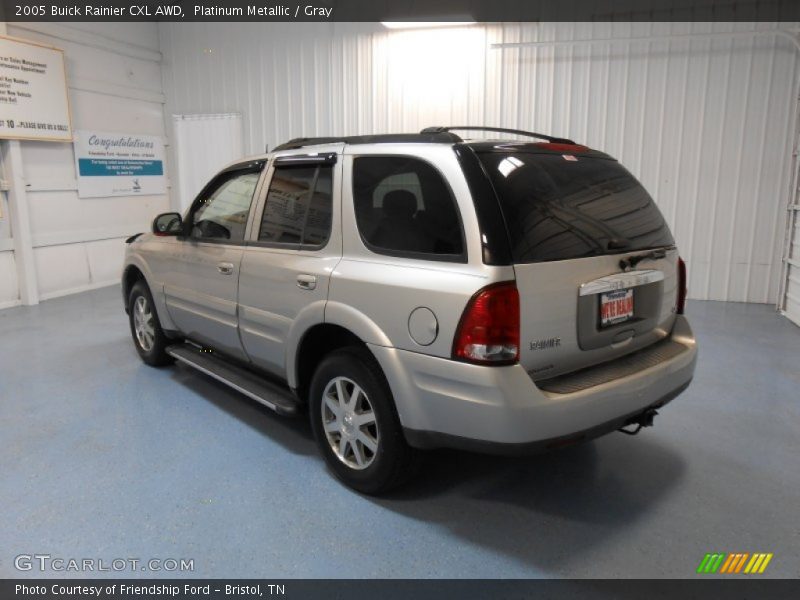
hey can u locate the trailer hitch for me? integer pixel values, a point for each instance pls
(644, 419)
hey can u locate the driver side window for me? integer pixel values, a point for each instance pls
(222, 213)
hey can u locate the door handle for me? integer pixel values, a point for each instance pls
(225, 268)
(306, 282)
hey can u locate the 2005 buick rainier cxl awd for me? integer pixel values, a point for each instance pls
(420, 290)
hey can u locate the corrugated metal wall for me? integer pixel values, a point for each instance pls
(705, 124)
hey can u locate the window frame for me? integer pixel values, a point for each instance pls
(327, 159)
(256, 166)
(462, 258)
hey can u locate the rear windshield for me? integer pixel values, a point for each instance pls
(558, 206)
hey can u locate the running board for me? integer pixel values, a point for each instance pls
(271, 395)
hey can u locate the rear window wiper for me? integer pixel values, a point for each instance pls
(632, 261)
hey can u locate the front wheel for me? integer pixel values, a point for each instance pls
(148, 337)
(356, 425)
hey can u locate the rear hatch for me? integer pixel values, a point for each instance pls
(595, 263)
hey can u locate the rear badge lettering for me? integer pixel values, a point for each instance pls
(546, 344)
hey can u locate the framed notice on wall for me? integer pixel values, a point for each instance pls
(119, 164)
(33, 92)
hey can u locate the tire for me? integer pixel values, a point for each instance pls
(364, 444)
(148, 337)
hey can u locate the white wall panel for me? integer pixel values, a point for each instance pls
(59, 214)
(69, 268)
(114, 81)
(61, 269)
(9, 285)
(5, 223)
(139, 35)
(100, 51)
(704, 123)
(9, 292)
(105, 258)
(791, 306)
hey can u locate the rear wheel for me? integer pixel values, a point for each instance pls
(356, 425)
(148, 337)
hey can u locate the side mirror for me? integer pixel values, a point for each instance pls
(170, 223)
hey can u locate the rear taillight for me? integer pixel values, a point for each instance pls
(488, 333)
(680, 304)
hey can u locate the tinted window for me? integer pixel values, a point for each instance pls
(222, 214)
(404, 206)
(299, 206)
(562, 206)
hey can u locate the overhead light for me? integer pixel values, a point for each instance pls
(425, 24)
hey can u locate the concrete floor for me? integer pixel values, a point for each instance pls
(104, 457)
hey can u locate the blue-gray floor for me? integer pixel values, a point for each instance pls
(103, 457)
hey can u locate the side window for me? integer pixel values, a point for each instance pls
(222, 214)
(299, 206)
(404, 206)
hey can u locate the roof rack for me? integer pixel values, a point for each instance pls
(441, 137)
(304, 141)
(541, 136)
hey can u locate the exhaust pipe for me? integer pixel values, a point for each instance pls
(644, 419)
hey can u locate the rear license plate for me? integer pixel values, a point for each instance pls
(616, 307)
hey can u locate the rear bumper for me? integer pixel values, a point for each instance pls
(444, 403)
(433, 439)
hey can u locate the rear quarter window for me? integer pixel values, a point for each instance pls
(558, 207)
(404, 207)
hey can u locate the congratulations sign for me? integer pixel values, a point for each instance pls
(118, 164)
(33, 92)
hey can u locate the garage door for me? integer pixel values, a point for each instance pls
(791, 302)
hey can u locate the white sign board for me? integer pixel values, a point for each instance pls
(33, 92)
(119, 164)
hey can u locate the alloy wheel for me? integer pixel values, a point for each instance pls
(144, 324)
(349, 423)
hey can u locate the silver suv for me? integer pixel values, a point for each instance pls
(415, 291)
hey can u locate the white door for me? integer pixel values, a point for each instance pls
(204, 144)
(791, 300)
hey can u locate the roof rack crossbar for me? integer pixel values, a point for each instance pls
(541, 136)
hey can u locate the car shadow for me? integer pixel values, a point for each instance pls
(542, 509)
(293, 433)
(546, 508)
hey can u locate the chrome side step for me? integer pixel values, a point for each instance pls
(270, 394)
